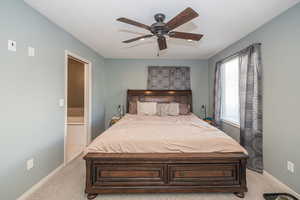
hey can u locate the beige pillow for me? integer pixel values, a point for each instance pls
(163, 109)
(184, 109)
(146, 108)
(173, 109)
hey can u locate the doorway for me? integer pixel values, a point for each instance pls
(77, 113)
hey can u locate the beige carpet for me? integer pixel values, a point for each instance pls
(68, 184)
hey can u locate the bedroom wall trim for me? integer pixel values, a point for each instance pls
(282, 185)
(231, 123)
(35, 187)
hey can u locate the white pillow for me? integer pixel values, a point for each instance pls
(146, 108)
(173, 109)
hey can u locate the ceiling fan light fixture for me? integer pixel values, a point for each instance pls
(163, 31)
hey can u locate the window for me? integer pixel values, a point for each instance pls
(230, 108)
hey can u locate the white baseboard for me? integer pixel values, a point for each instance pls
(40, 183)
(287, 188)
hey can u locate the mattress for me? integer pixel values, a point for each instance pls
(169, 134)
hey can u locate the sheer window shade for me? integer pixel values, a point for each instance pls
(230, 108)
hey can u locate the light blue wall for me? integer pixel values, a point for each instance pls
(123, 74)
(280, 40)
(32, 123)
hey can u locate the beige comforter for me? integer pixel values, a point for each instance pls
(170, 134)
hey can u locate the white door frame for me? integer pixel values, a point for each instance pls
(87, 98)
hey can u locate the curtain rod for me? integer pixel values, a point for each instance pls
(237, 53)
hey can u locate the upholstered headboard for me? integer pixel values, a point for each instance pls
(160, 96)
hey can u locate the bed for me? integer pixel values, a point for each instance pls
(152, 154)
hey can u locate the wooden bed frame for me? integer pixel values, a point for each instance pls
(164, 172)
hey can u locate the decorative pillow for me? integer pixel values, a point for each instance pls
(173, 109)
(146, 108)
(162, 109)
(184, 109)
(132, 107)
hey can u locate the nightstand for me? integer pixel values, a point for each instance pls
(114, 120)
(210, 121)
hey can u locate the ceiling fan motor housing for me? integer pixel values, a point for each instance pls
(159, 17)
(159, 28)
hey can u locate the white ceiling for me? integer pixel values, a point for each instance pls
(221, 21)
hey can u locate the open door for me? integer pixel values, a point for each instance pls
(77, 118)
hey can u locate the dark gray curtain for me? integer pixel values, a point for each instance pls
(250, 90)
(217, 94)
(251, 105)
(169, 78)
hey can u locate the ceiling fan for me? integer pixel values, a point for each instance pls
(161, 29)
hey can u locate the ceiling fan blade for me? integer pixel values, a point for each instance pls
(182, 18)
(186, 36)
(137, 38)
(162, 43)
(132, 22)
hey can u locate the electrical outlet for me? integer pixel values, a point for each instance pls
(12, 45)
(30, 164)
(290, 166)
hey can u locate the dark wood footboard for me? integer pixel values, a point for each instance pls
(158, 173)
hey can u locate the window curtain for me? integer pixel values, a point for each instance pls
(251, 105)
(250, 91)
(169, 78)
(217, 94)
